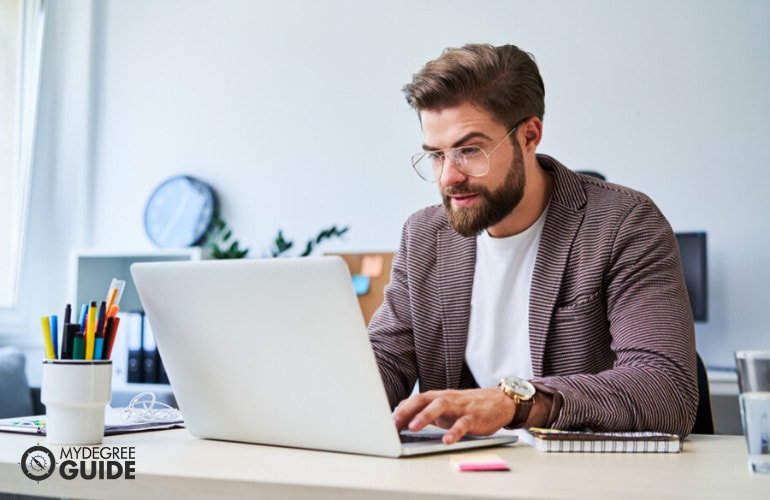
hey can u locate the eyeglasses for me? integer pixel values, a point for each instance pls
(472, 161)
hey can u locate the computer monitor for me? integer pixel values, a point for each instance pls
(692, 248)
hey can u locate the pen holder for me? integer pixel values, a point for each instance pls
(75, 394)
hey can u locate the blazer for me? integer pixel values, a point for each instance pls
(610, 322)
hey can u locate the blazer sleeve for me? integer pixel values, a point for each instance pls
(391, 332)
(650, 383)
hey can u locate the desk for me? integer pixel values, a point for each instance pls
(174, 464)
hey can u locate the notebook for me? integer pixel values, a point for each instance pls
(274, 352)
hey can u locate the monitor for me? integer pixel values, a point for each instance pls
(692, 248)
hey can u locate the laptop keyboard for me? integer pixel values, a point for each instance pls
(411, 437)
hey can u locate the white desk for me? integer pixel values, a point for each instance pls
(174, 464)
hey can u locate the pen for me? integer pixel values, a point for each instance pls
(47, 342)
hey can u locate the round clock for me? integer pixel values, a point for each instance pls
(179, 212)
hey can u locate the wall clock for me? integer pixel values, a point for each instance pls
(179, 212)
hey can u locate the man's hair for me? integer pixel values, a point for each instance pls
(504, 81)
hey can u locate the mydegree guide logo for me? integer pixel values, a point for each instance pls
(87, 462)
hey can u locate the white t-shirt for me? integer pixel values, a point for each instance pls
(498, 333)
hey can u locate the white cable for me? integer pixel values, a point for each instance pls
(149, 410)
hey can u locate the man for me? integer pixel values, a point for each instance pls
(535, 296)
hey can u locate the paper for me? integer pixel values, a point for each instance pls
(371, 265)
(478, 462)
(361, 284)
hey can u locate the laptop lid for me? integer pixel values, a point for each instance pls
(270, 351)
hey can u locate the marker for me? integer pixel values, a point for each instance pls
(47, 342)
(68, 340)
(54, 320)
(111, 295)
(83, 317)
(91, 331)
(113, 334)
(99, 342)
(109, 332)
(78, 346)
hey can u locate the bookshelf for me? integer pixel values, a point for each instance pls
(91, 272)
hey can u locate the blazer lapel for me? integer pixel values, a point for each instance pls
(561, 226)
(456, 263)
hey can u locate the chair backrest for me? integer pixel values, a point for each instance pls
(704, 418)
(15, 395)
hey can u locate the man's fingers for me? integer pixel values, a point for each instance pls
(457, 431)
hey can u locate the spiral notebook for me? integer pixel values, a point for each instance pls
(553, 440)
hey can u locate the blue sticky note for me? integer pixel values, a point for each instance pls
(361, 284)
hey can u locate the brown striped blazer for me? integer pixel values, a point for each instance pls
(610, 322)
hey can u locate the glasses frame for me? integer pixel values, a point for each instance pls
(446, 153)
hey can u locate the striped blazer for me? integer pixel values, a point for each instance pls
(610, 323)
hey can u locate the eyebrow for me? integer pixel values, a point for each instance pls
(462, 140)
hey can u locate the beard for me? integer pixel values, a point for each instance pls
(495, 206)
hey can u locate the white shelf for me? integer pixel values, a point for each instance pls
(91, 273)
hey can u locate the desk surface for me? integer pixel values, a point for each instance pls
(175, 464)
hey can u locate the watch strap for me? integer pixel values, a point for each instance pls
(521, 412)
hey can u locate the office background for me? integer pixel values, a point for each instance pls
(292, 111)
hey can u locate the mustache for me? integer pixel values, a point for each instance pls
(461, 189)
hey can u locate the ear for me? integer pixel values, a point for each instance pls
(532, 134)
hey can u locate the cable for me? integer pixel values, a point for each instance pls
(141, 410)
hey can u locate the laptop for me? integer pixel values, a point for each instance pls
(275, 352)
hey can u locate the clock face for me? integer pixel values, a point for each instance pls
(179, 212)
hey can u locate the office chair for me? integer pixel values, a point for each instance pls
(592, 173)
(704, 418)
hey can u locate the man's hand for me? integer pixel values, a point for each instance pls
(473, 411)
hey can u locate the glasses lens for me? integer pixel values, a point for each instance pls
(427, 165)
(470, 160)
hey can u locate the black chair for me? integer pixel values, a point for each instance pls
(704, 418)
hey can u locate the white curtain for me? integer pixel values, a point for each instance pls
(31, 36)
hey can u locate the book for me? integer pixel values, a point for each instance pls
(554, 440)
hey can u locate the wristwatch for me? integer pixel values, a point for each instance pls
(523, 393)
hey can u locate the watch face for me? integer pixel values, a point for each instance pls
(519, 386)
(179, 212)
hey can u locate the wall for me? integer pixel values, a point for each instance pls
(293, 112)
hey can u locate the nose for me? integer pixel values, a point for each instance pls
(450, 174)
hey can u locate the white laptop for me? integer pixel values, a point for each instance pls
(274, 352)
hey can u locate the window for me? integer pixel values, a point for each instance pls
(21, 35)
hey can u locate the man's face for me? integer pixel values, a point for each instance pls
(474, 204)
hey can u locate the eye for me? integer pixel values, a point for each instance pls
(434, 156)
(470, 151)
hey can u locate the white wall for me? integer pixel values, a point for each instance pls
(293, 112)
